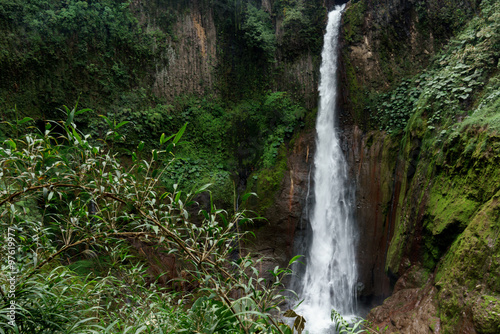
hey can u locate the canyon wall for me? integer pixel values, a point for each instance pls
(427, 195)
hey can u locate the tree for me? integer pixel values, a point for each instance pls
(259, 31)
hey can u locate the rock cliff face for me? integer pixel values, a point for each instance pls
(372, 160)
(427, 200)
(185, 65)
(446, 226)
(208, 55)
(287, 216)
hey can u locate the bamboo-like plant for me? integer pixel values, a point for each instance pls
(63, 194)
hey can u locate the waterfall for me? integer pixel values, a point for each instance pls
(330, 277)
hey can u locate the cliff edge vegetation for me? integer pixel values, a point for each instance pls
(442, 112)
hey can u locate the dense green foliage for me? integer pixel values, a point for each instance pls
(394, 108)
(224, 142)
(66, 200)
(303, 24)
(54, 50)
(258, 30)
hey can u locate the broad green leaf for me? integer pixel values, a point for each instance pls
(247, 195)
(164, 195)
(81, 111)
(205, 214)
(12, 144)
(121, 124)
(24, 120)
(71, 117)
(295, 258)
(177, 197)
(155, 173)
(110, 124)
(179, 134)
(203, 188)
(169, 147)
(166, 139)
(77, 136)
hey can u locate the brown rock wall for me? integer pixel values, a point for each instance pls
(185, 64)
(372, 161)
(275, 239)
(192, 58)
(300, 77)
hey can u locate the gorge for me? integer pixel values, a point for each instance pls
(418, 126)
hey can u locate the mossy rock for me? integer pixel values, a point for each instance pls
(353, 20)
(486, 314)
(266, 182)
(468, 275)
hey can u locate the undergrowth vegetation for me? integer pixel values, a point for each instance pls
(223, 142)
(53, 50)
(461, 83)
(66, 198)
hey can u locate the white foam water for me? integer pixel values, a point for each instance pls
(330, 277)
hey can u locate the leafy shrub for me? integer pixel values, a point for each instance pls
(260, 127)
(452, 86)
(259, 32)
(393, 109)
(303, 24)
(89, 203)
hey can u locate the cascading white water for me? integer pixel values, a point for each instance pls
(330, 277)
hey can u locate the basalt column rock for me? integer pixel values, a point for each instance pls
(372, 160)
(186, 64)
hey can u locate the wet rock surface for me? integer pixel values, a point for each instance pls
(286, 216)
(372, 160)
(412, 307)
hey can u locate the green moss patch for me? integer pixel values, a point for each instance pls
(448, 205)
(471, 270)
(353, 21)
(266, 182)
